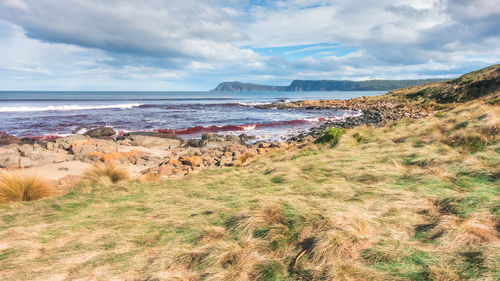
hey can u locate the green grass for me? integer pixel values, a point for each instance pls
(378, 205)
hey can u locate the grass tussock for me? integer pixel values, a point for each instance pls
(16, 187)
(476, 230)
(106, 172)
(331, 136)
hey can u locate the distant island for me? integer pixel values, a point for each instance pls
(325, 85)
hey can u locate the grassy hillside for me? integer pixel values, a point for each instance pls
(481, 84)
(418, 200)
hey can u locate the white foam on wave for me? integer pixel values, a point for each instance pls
(251, 104)
(66, 107)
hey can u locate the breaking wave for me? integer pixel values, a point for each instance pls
(67, 107)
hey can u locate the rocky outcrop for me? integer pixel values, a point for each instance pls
(214, 140)
(7, 139)
(100, 132)
(154, 141)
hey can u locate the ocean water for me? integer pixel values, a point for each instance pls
(187, 114)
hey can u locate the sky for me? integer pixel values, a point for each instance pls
(183, 45)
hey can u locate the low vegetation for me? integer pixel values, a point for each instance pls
(331, 136)
(16, 187)
(107, 171)
(417, 200)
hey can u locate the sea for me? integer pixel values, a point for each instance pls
(186, 114)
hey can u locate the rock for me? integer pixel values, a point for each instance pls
(148, 141)
(195, 143)
(244, 138)
(193, 161)
(65, 143)
(33, 152)
(232, 138)
(10, 160)
(165, 170)
(264, 145)
(100, 132)
(51, 145)
(6, 140)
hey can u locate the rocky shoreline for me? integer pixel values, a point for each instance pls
(163, 155)
(380, 113)
(144, 153)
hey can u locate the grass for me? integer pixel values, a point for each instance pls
(16, 187)
(374, 209)
(107, 171)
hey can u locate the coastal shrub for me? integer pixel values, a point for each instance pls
(16, 187)
(359, 138)
(107, 170)
(331, 136)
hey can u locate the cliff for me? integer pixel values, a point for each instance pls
(326, 85)
(246, 87)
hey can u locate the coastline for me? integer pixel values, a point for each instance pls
(163, 155)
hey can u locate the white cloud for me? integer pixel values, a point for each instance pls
(192, 44)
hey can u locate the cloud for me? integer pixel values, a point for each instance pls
(189, 29)
(192, 44)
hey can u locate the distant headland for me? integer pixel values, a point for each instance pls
(325, 85)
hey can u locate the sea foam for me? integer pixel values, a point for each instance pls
(67, 107)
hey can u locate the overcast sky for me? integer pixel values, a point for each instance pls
(195, 44)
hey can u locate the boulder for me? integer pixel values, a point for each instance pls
(212, 137)
(148, 141)
(65, 143)
(193, 161)
(232, 138)
(100, 132)
(33, 152)
(6, 140)
(165, 170)
(10, 160)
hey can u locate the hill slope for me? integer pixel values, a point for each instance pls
(480, 84)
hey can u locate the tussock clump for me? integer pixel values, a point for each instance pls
(443, 272)
(269, 215)
(453, 232)
(331, 136)
(241, 261)
(334, 246)
(191, 259)
(469, 141)
(16, 187)
(212, 235)
(359, 138)
(107, 171)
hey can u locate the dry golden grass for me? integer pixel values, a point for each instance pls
(416, 209)
(106, 172)
(16, 187)
(477, 230)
